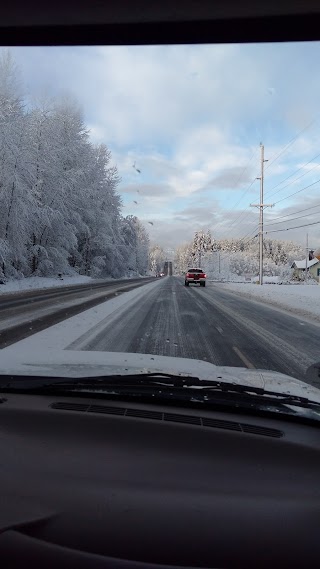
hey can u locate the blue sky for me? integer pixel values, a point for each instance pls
(191, 119)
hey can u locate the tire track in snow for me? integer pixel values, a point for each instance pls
(169, 321)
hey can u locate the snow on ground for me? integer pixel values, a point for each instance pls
(300, 299)
(266, 280)
(78, 330)
(31, 283)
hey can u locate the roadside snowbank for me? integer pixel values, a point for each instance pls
(267, 280)
(300, 299)
(31, 283)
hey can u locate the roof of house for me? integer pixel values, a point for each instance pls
(302, 264)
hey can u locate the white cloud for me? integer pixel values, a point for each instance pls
(191, 117)
(143, 94)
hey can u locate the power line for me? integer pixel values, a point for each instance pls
(286, 220)
(293, 181)
(242, 172)
(295, 172)
(289, 220)
(236, 222)
(248, 236)
(272, 160)
(296, 227)
(245, 213)
(250, 233)
(244, 193)
(252, 238)
(241, 217)
(294, 212)
(298, 192)
(238, 219)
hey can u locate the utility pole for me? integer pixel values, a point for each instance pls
(261, 207)
(219, 262)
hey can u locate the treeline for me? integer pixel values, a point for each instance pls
(225, 257)
(60, 210)
(157, 258)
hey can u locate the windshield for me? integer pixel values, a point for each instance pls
(120, 165)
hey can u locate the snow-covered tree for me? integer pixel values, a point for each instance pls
(238, 257)
(16, 201)
(60, 210)
(156, 259)
(202, 243)
(142, 248)
(183, 259)
(136, 245)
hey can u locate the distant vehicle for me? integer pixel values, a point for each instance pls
(161, 274)
(195, 276)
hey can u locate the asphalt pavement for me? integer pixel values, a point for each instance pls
(214, 325)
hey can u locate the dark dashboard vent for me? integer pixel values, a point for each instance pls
(144, 414)
(257, 430)
(170, 417)
(177, 418)
(106, 410)
(70, 406)
(218, 424)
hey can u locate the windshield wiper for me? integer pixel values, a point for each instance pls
(152, 378)
(155, 384)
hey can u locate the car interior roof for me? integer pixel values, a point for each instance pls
(92, 22)
(232, 492)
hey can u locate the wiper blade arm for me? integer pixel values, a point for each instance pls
(263, 394)
(198, 386)
(125, 380)
(131, 380)
(27, 381)
(156, 383)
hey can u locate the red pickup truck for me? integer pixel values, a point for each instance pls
(196, 276)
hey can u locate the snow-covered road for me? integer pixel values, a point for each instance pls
(211, 324)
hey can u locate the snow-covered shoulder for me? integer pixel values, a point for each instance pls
(31, 283)
(300, 299)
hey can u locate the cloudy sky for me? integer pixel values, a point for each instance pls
(184, 124)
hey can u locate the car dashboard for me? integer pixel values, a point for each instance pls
(98, 483)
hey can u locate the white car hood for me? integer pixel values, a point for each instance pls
(68, 363)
